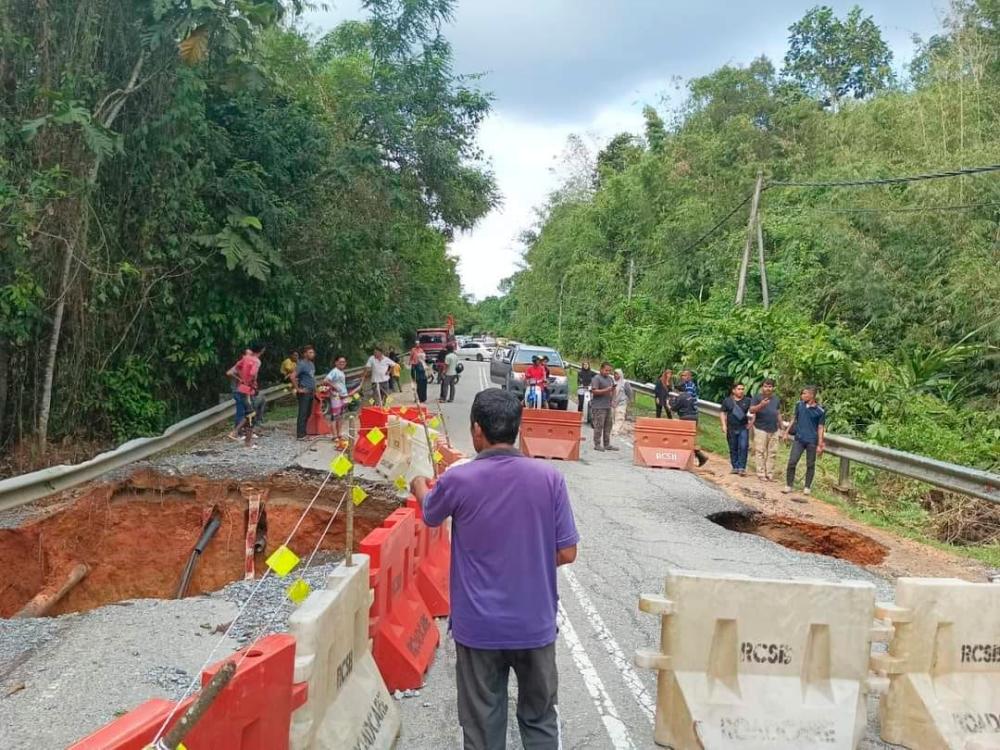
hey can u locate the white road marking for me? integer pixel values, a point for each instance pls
(615, 727)
(629, 675)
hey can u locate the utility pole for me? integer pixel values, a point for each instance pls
(763, 269)
(562, 282)
(745, 262)
(631, 276)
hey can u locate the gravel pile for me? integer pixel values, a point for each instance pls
(218, 457)
(270, 608)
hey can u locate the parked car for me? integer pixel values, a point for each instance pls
(508, 365)
(475, 350)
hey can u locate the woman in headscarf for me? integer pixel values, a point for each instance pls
(620, 401)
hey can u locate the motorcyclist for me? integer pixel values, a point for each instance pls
(535, 375)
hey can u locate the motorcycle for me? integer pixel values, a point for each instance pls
(533, 395)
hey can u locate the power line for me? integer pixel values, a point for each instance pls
(902, 209)
(888, 180)
(707, 234)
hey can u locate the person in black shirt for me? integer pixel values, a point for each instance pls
(735, 418)
(766, 411)
(685, 406)
(583, 382)
(662, 393)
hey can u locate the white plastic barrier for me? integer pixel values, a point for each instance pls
(395, 461)
(348, 707)
(760, 664)
(943, 665)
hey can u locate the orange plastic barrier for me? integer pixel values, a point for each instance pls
(402, 629)
(318, 424)
(418, 414)
(449, 455)
(365, 452)
(664, 443)
(546, 433)
(253, 712)
(433, 563)
(373, 416)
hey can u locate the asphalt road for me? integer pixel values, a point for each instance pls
(635, 525)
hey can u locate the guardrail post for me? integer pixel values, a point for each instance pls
(844, 480)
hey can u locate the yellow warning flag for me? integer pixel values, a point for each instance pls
(388, 401)
(411, 429)
(298, 591)
(403, 411)
(282, 561)
(358, 495)
(434, 422)
(341, 465)
(401, 483)
(375, 436)
(438, 458)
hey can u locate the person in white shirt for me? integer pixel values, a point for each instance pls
(378, 369)
(449, 376)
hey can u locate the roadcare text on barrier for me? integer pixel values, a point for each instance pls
(373, 724)
(786, 731)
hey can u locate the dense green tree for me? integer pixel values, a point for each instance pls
(162, 202)
(833, 58)
(887, 302)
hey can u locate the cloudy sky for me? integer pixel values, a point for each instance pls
(558, 67)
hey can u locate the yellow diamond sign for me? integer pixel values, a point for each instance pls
(298, 591)
(401, 483)
(341, 465)
(435, 422)
(375, 436)
(438, 458)
(282, 561)
(358, 495)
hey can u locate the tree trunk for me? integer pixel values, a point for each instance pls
(4, 387)
(77, 240)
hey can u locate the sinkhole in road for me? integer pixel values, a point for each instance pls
(804, 536)
(136, 536)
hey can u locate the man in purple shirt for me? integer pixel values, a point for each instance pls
(512, 525)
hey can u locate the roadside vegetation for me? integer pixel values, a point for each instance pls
(180, 178)
(886, 296)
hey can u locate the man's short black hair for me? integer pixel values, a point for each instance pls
(768, 381)
(498, 414)
(256, 347)
(605, 364)
(813, 389)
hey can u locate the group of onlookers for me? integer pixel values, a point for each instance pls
(760, 415)
(610, 396)
(741, 416)
(445, 365)
(299, 369)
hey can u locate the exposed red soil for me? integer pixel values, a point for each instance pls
(136, 537)
(804, 536)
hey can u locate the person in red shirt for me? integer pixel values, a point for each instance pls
(535, 375)
(244, 377)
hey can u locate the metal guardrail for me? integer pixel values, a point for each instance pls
(38, 484)
(952, 477)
